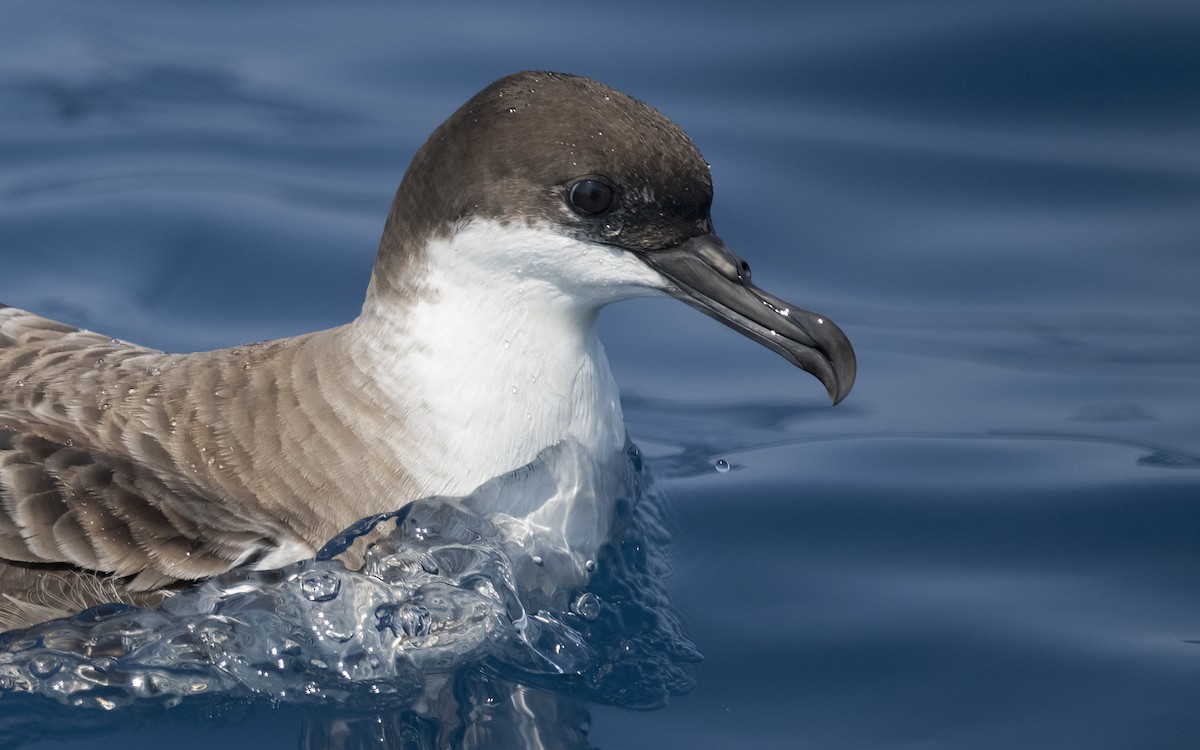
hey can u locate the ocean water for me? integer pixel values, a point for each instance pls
(992, 543)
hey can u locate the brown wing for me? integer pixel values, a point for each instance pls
(80, 527)
(67, 503)
(81, 522)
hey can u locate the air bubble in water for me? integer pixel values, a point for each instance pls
(586, 605)
(320, 585)
(412, 620)
(428, 564)
(45, 665)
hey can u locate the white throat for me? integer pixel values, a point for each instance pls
(498, 358)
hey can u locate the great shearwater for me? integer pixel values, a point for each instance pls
(125, 471)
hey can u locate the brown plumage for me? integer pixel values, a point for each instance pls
(155, 468)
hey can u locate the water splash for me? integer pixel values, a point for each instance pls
(402, 604)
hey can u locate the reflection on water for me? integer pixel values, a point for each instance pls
(449, 621)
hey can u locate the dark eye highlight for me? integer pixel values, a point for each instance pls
(591, 197)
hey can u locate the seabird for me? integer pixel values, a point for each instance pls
(125, 472)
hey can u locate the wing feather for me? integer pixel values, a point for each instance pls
(92, 503)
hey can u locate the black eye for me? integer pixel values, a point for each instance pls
(591, 197)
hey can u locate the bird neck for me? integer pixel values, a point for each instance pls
(486, 366)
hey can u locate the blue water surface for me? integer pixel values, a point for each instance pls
(993, 543)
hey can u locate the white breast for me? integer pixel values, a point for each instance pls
(499, 357)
